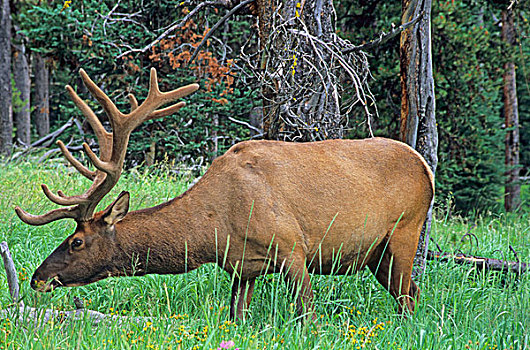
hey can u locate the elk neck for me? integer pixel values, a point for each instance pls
(173, 237)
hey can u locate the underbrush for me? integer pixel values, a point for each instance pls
(460, 307)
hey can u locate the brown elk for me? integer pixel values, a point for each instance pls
(324, 207)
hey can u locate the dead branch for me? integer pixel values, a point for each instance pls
(362, 90)
(51, 137)
(53, 151)
(480, 262)
(216, 25)
(179, 24)
(245, 124)
(48, 140)
(108, 16)
(384, 37)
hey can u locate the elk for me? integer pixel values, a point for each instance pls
(328, 207)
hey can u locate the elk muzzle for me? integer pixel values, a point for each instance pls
(44, 284)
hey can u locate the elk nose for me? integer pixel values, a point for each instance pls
(34, 282)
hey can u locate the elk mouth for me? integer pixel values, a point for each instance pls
(55, 282)
(48, 286)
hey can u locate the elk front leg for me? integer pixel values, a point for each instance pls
(299, 282)
(241, 296)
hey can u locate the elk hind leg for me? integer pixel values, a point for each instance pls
(393, 269)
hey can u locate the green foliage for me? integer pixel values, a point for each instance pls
(459, 306)
(468, 77)
(468, 56)
(81, 36)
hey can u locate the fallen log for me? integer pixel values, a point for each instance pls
(36, 317)
(45, 141)
(48, 140)
(480, 263)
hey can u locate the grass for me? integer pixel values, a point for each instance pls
(460, 308)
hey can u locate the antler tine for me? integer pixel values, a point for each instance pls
(178, 93)
(62, 200)
(164, 112)
(133, 101)
(53, 215)
(104, 137)
(155, 98)
(153, 84)
(89, 174)
(105, 141)
(106, 167)
(115, 116)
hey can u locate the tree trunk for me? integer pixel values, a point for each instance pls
(6, 117)
(302, 70)
(21, 114)
(418, 122)
(265, 11)
(41, 114)
(512, 190)
(256, 120)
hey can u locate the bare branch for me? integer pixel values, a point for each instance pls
(214, 28)
(246, 124)
(176, 26)
(108, 16)
(35, 317)
(40, 317)
(50, 138)
(480, 262)
(384, 37)
(304, 75)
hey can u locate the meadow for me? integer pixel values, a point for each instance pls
(460, 307)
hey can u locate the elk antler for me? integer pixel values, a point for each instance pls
(113, 147)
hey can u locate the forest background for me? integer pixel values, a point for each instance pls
(105, 38)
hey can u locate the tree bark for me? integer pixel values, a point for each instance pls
(41, 114)
(418, 121)
(256, 120)
(265, 11)
(512, 190)
(6, 111)
(21, 114)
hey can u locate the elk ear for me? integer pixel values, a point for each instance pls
(117, 210)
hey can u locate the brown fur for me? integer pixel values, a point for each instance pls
(325, 207)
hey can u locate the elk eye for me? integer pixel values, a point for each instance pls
(76, 243)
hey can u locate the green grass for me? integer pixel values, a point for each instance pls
(460, 307)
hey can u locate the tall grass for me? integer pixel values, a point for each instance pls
(460, 307)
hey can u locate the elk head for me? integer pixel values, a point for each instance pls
(81, 258)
